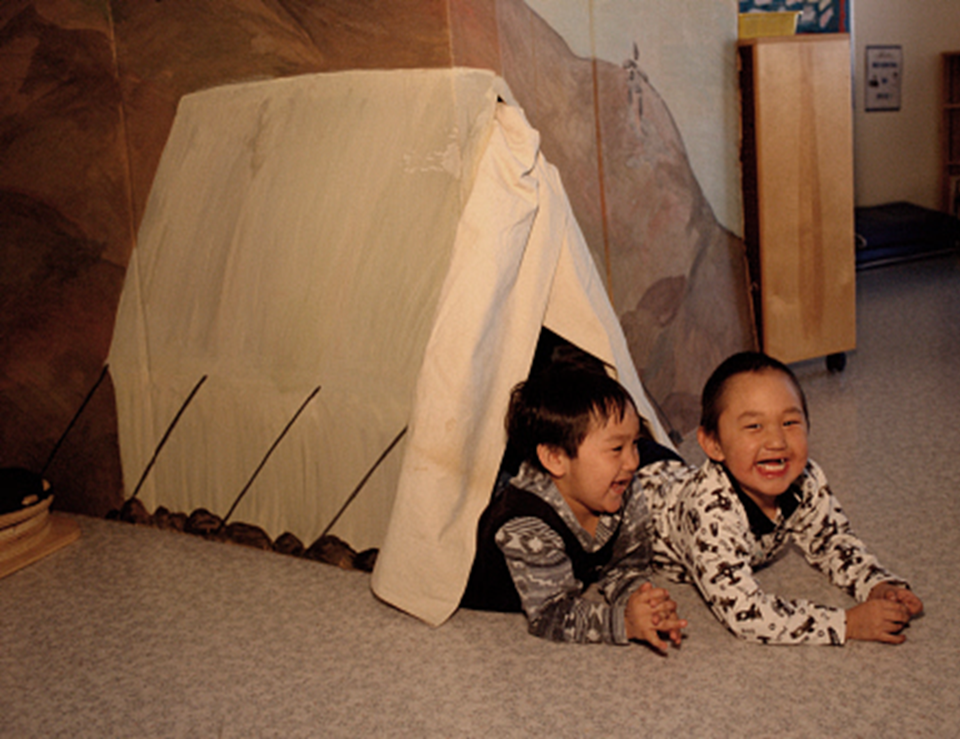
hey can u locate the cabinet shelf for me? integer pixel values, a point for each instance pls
(950, 134)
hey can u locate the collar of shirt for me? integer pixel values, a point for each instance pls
(760, 525)
(534, 481)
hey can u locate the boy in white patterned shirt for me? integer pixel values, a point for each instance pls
(757, 492)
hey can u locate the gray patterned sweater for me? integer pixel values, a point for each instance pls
(555, 602)
(707, 535)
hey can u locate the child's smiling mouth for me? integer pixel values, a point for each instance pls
(773, 466)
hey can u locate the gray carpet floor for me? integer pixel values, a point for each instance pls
(135, 632)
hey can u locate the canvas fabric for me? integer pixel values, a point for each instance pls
(297, 234)
(519, 262)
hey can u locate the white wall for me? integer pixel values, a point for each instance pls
(897, 153)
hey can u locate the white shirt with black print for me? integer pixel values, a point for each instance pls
(554, 600)
(710, 533)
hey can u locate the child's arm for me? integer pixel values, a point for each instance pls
(822, 531)
(649, 612)
(551, 596)
(824, 534)
(712, 537)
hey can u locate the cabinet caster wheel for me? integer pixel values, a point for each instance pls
(836, 362)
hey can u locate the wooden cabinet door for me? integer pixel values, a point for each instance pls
(803, 208)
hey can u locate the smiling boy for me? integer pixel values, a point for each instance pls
(757, 492)
(567, 541)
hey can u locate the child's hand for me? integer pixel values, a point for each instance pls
(878, 619)
(650, 613)
(902, 595)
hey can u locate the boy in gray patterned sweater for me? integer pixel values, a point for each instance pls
(757, 492)
(567, 541)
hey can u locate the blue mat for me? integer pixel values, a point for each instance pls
(897, 232)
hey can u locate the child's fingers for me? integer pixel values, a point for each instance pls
(653, 639)
(651, 594)
(900, 614)
(675, 633)
(891, 638)
(906, 597)
(878, 619)
(666, 608)
(662, 616)
(893, 619)
(676, 636)
(672, 624)
(913, 604)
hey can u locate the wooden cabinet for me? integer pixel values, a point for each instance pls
(797, 157)
(950, 133)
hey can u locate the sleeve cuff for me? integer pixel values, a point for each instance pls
(838, 624)
(618, 625)
(618, 613)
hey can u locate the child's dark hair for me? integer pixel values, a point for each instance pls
(556, 405)
(711, 403)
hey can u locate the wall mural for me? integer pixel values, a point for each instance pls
(675, 273)
(685, 54)
(90, 90)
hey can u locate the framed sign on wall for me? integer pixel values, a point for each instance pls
(884, 73)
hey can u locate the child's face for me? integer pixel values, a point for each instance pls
(762, 433)
(595, 480)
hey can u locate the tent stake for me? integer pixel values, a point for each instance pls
(83, 405)
(364, 480)
(267, 456)
(166, 436)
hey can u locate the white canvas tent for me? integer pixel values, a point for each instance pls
(395, 238)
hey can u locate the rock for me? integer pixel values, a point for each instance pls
(287, 543)
(203, 523)
(177, 521)
(161, 518)
(247, 535)
(332, 551)
(133, 511)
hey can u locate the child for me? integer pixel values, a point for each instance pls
(567, 541)
(757, 492)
